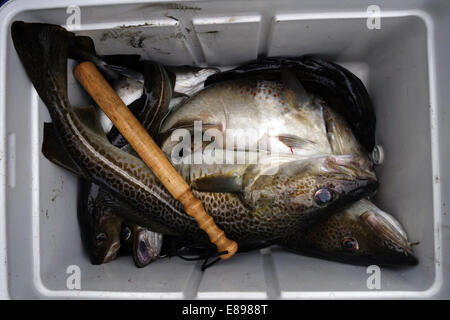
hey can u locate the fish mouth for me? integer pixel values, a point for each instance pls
(355, 166)
(143, 250)
(364, 188)
(142, 255)
(112, 252)
(356, 176)
(396, 247)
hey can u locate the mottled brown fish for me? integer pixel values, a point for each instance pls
(253, 116)
(43, 50)
(99, 225)
(360, 234)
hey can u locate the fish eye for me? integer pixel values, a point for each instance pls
(350, 244)
(100, 237)
(125, 233)
(323, 196)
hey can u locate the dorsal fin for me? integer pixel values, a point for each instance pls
(295, 93)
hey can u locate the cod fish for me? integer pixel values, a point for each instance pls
(359, 234)
(103, 229)
(101, 225)
(43, 50)
(342, 90)
(260, 116)
(144, 245)
(278, 125)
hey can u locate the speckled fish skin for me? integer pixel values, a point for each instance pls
(144, 245)
(327, 142)
(100, 225)
(278, 195)
(341, 89)
(93, 212)
(270, 206)
(228, 106)
(376, 236)
(43, 52)
(359, 234)
(152, 107)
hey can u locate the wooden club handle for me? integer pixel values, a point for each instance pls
(107, 99)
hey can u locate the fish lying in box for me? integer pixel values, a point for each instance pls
(101, 227)
(360, 233)
(251, 207)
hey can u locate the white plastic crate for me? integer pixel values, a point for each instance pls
(404, 66)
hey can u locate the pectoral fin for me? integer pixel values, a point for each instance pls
(217, 183)
(213, 177)
(294, 142)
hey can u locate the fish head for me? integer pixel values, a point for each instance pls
(346, 177)
(105, 237)
(300, 188)
(144, 245)
(358, 234)
(389, 244)
(99, 225)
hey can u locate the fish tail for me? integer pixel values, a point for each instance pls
(43, 50)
